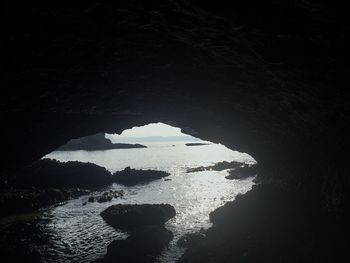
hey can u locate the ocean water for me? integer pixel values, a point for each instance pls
(77, 233)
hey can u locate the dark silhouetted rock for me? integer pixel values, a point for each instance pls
(144, 245)
(216, 167)
(14, 201)
(51, 173)
(130, 177)
(94, 143)
(131, 217)
(20, 239)
(196, 144)
(108, 196)
(243, 172)
(264, 225)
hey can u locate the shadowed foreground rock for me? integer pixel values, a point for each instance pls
(266, 225)
(148, 236)
(52, 173)
(144, 245)
(130, 177)
(20, 240)
(131, 217)
(14, 201)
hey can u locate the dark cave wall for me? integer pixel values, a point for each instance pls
(229, 75)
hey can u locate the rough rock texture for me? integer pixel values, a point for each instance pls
(132, 177)
(94, 143)
(131, 217)
(269, 78)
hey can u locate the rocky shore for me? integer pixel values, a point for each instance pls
(220, 166)
(16, 201)
(235, 169)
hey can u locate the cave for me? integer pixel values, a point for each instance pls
(264, 77)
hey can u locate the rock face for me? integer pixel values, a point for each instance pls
(130, 177)
(51, 173)
(131, 217)
(94, 143)
(143, 245)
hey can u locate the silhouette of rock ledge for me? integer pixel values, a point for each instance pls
(52, 173)
(133, 217)
(144, 245)
(17, 201)
(130, 177)
(95, 143)
(216, 167)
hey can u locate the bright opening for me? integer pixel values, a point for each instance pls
(195, 187)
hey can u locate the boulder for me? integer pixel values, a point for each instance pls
(130, 177)
(132, 217)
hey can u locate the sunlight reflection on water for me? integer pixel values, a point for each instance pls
(78, 233)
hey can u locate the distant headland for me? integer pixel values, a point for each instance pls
(95, 143)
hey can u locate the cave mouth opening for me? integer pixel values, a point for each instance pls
(150, 164)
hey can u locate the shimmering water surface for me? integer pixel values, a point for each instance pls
(77, 233)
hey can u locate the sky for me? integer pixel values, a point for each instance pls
(153, 129)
